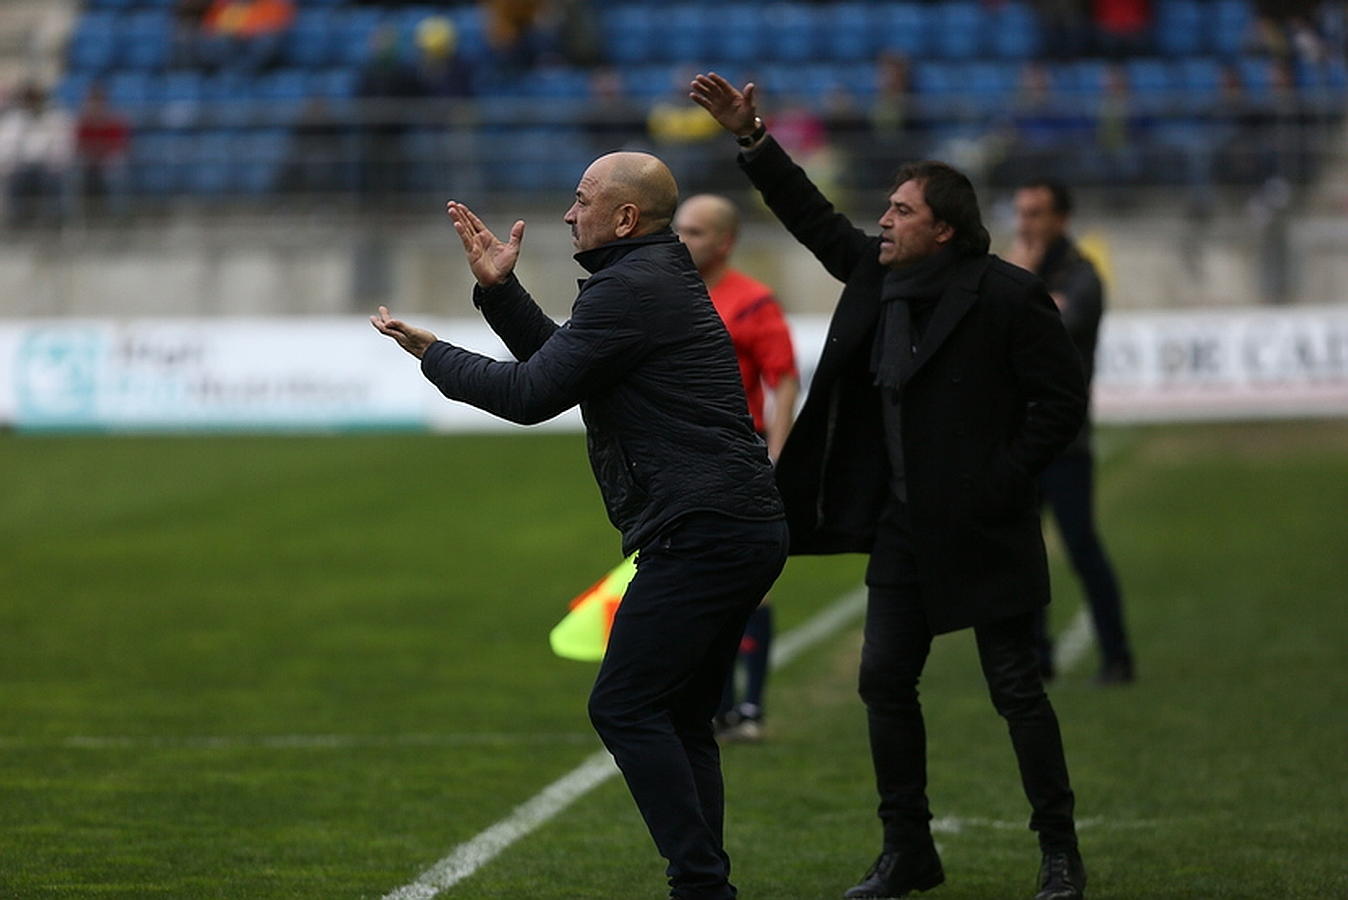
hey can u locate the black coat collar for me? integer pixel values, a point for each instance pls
(605, 255)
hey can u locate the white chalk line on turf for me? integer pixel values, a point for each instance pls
(468, 857)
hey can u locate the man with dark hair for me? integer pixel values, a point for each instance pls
(1042, 245)
(684, 477)
(946, 384)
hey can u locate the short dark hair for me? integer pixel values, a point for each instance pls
(1062, 197)
(950, 194)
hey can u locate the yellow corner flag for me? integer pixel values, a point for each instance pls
(583, 634)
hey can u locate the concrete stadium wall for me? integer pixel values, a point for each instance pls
(298, 266)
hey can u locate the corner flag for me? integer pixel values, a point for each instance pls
(583, 634)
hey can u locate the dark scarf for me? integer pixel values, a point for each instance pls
(908, 294)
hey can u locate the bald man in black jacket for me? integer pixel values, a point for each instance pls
(684, 477)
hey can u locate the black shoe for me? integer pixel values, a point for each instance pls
(896, 872)
(1062, 876)
(1119, 671)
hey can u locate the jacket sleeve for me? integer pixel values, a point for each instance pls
(600, 344)
(1049, 374)
(805, 212)
(1083, 300)
(514, 316)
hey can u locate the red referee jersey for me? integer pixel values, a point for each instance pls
(759, 332)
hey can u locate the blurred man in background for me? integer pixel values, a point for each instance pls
(683, 475)
(708, 225)
(1043, 211)
(946, 384)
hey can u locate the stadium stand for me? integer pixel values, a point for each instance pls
(219, 130)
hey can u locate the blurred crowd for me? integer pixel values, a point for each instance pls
(1258, 126)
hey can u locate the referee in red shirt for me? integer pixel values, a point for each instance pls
(708, 225)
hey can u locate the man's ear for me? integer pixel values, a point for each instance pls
(628, 217)
(944, 232)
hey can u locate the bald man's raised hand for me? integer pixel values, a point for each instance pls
(735, 110)
(490, 259)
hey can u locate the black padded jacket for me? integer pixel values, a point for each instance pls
(649, 361)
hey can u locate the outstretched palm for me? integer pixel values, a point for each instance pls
(733, 109)
(490, 259)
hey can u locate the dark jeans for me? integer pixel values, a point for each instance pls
(1068, 488)
(897, 641)
(673, 642)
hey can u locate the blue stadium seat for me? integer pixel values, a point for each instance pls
(630, 34)
(936, 79)
(280, 95)
(1082, 78)
(1201, 80)
(72, 89)
(792, 32)
(130, 89)
(557, 83)
(1150, 78)
(158, 161)
(903, 28)
(311, 41)
(209, 168)
(259, 157)
(740, 37)
(851, 35)
(354, 28)
(1230, 23)
(143, 40)
(1014, 31)
(685, 35)
(93, 46)
(1179, 27)
(957, 29)
(989, 85)
(1254, 75)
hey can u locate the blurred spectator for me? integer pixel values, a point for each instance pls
(679, 131)
(1287, 30)
(1122, 27)
(1043, 131)
(36, 152)
(384, 80)
(612, 120)
(898, 129)
(440, 70)
(1117, 127)
(512, 32)
(575, 26)
(102, 141)
(191, 45)
(247, 34)
(1065, 27)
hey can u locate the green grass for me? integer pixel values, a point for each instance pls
(183, 620)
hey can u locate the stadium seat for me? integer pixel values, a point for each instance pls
(209, 169)
(143, 40)
(259, 157)
(1014, 31)
(353, 30)
(1230, 23)
(957, 29)
(903, 28)
(792, 34)
(740, 37)
(630, 34)
(130, 89)
(310, 42)
(851, 33)
(1179, 27)
(684, 36)
(1150, 77)
(93, 46)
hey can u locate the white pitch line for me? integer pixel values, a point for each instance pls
(468, 857)
(1075, 641)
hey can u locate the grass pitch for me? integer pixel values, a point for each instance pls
(257, 667)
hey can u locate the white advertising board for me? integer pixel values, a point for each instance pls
(337, 373)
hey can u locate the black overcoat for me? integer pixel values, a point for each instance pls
(993, 393)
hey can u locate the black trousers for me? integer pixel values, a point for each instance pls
(1068, 487)
(673, 643)
(894, 653)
